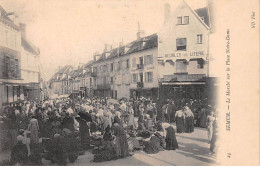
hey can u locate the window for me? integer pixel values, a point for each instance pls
(7, 65)
(141, 79)
(119, 66)
(149, 77)
(199, 39)
(111, 80)
(6, 37)
(105, 68)
(141, 60)
(181, 67)
(134, 78)
(182, 20)
(186, 20)
(179, 20)
(16, 74)
(127, 64)
(200, 65)
(181, 44)
(111, 67)
(134, 62)
(149, 59)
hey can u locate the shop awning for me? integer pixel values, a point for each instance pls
(199, 60)
(12, 81)
(183, 83)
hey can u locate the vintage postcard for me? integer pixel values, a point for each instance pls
(129, 83)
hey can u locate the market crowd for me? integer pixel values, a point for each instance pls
(62, 129)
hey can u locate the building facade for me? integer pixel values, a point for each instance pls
(11, 88)
(144, 67)
(183, 56)
(173, 63)
(30, 68)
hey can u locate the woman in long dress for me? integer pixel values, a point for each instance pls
(210, 121)
(203, 118)
(171, 141)
(189, 120)
(131, 119)
(180, 117)
(84, 132)
(34, 128)
(118, 119)
(121, 141)
(154, 145)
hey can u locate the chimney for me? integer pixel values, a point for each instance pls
(167, 12)
(211, 4)
(96, 56)
(23, 29)
(108, 47)
(140, 33)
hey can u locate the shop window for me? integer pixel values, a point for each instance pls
(181, 44)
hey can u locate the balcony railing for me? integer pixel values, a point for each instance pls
(140, 84)
(140, 66)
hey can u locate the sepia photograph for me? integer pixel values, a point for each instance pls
(122, 83)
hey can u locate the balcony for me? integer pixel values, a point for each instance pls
(140, 84)
(93, 74)
(140, 66)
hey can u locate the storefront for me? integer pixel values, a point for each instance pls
(186, 87)
(11, 91)
(32, 92)
(151, 93)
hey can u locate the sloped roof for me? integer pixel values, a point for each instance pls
(144, 43)
(203, 12)
(29, 47)
(4, 16)
(89, 63)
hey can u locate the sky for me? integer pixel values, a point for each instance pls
(70, 31)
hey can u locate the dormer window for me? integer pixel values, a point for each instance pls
(183, 20)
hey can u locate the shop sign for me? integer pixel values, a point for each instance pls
(184, 54)
(183, 77)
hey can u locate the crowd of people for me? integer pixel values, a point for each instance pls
(108, 127)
